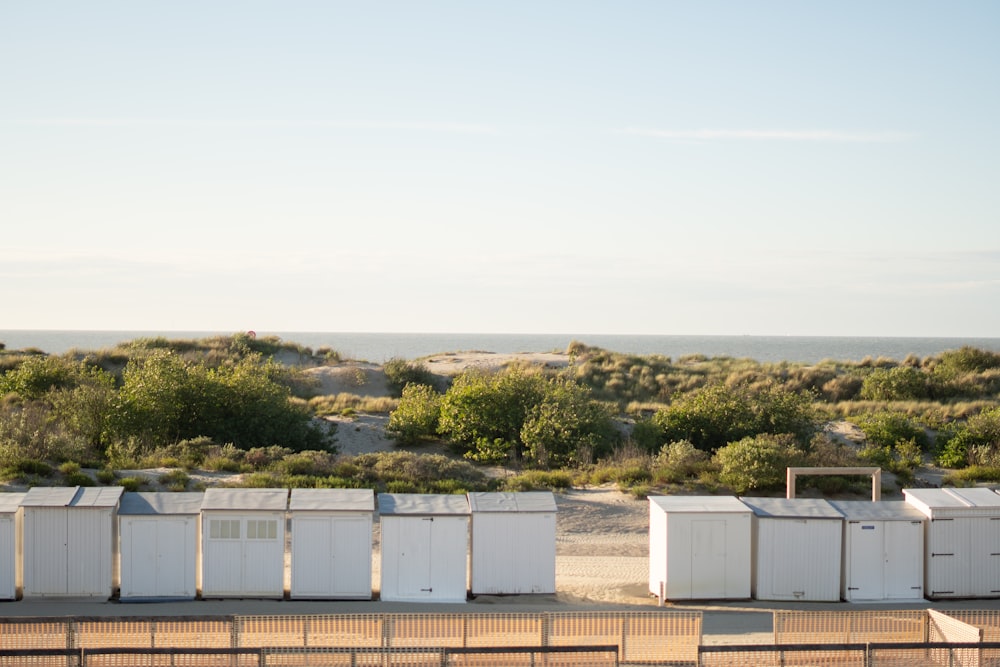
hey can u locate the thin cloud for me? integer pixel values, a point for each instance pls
(237, 123)
(831, 136)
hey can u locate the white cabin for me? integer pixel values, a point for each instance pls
(425, 546)
(796, 549)
(10, 529)
(70, 541)
(513, 543)
(331, 543)
(699, 548)
(243, 543)
(962, 541)
(883, 551)
(158, 545)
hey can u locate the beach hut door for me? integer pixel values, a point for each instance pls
(867, 560)
(416, 537)
(352, 556)
(708, 558)
(7, 557)
(904, 572)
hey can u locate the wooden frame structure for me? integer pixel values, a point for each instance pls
(874, 473)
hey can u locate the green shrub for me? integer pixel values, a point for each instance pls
(69, 468)
(976, 442)
(757, 463)
(885, 429)
(222, 464)
(719, 414)
(262, 480)
(894, 384)
(417, 415)
(678, 461)
(132, 484)
(78, 479)
(647, 435)
(105, 476)
(400, 486)
(32, 467)
(532, 480)
(175, 480)
(399, 373)
(972, 475)
(313, 463)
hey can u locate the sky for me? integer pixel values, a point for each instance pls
(527, 166)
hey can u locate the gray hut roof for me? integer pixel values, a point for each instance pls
(257, 500)
(161, 502)
(942, 503)
(355, 500)
(422, 504)
(9, 502)
(977, 496)
(72, 496)
(883, 510)
(532, 501)
(700, 504)
(936, 498)
(792, 508)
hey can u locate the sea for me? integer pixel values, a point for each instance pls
(380, 347)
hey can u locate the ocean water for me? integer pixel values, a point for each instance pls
(379, 347)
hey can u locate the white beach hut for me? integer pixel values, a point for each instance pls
(10, 528)
(69, 541)
(331, 543)
(796, 549)
(243, 543)
(962, 541)
(158, 545)
(513, 543)
(883, 556)
(699, 548)
(425, 542)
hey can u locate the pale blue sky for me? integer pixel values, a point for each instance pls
(701, 167)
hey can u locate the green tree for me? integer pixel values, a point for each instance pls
(417, 415)
(485, 412)
(85, 409)
(566, 426)
(758, 462)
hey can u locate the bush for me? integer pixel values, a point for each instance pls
(399, 373)
(678, 461)
(885, 429)
(78, 479)
(719, 414)
(647, 435)
(757, 463)
(977, 442)
(132, 484)
(533, 480)
(417, 416)
(902, 383)
(306, 463)
(165, 398)
(175, 480)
